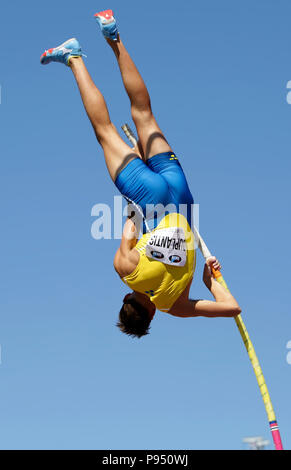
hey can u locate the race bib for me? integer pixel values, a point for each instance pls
(168, 245)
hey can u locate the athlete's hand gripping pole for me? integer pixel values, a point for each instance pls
(242, 329)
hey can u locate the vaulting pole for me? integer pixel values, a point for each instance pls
(251, 353)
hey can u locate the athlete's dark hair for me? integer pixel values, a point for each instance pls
(134, 319)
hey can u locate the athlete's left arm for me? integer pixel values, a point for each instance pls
(206, 308)
(224, 305)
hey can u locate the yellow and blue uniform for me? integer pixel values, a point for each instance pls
(167, 255)
(163, 283)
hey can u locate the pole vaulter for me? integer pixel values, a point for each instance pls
(159, 267)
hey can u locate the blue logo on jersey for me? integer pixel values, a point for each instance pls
(150, 292)
(175, 259)
(157, 254)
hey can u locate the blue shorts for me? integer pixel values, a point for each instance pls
(160, 180)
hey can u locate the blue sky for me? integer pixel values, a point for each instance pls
(217, 73)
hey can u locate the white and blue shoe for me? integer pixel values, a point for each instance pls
(107, 22)
(62, 53)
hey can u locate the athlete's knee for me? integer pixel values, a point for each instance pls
(105, 133)
(142, 114)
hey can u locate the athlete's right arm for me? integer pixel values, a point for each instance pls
(126, 258)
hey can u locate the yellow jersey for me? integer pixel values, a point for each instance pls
(167, 262)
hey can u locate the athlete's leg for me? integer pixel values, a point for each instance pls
(151, 138)
(117, 153)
